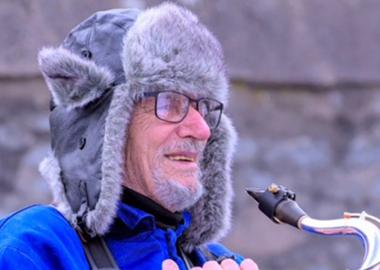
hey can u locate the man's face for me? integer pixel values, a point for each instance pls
(162, 159)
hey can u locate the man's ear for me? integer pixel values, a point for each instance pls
(72, 80)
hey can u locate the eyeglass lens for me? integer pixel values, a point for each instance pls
(173, 107)
(210, 110)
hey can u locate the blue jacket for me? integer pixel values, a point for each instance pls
(39, 237)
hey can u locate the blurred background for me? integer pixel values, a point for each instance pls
(305, 80)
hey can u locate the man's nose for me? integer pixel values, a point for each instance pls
(194, 125)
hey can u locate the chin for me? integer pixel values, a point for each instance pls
(177, 194)
(191, 183)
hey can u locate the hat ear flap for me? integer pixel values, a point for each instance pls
(72, 80)
(211, 214)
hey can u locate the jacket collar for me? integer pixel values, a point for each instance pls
(138, 212)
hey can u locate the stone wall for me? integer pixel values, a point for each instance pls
(305, 100)
(325, 145)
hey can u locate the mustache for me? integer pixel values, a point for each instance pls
(189, 145)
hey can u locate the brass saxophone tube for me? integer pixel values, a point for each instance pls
(365, 230)
(279, 204)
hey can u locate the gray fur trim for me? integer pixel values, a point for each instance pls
(113, 174)
(50, 170)
(72, 80)
(168, 48)
(211, 214)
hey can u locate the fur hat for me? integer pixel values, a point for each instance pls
(103, 66)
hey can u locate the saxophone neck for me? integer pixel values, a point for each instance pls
(363, 226)
(279, 204)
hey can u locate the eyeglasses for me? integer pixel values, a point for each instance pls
(172, 107)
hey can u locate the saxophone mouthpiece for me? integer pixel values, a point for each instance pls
(278, 203)
(255, 193)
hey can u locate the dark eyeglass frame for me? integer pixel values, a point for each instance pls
(219, 107)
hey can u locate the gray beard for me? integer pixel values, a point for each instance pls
(174, 196)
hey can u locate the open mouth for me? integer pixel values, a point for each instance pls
(182, 157)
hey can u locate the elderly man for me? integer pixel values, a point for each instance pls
(141, 150)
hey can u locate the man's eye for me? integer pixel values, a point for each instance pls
(164, 107)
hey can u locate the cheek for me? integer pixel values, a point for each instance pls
(146, 143)
(150, 137)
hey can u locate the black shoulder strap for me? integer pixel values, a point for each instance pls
(186, 258)
(98, 255)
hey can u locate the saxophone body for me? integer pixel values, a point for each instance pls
(279, 204)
